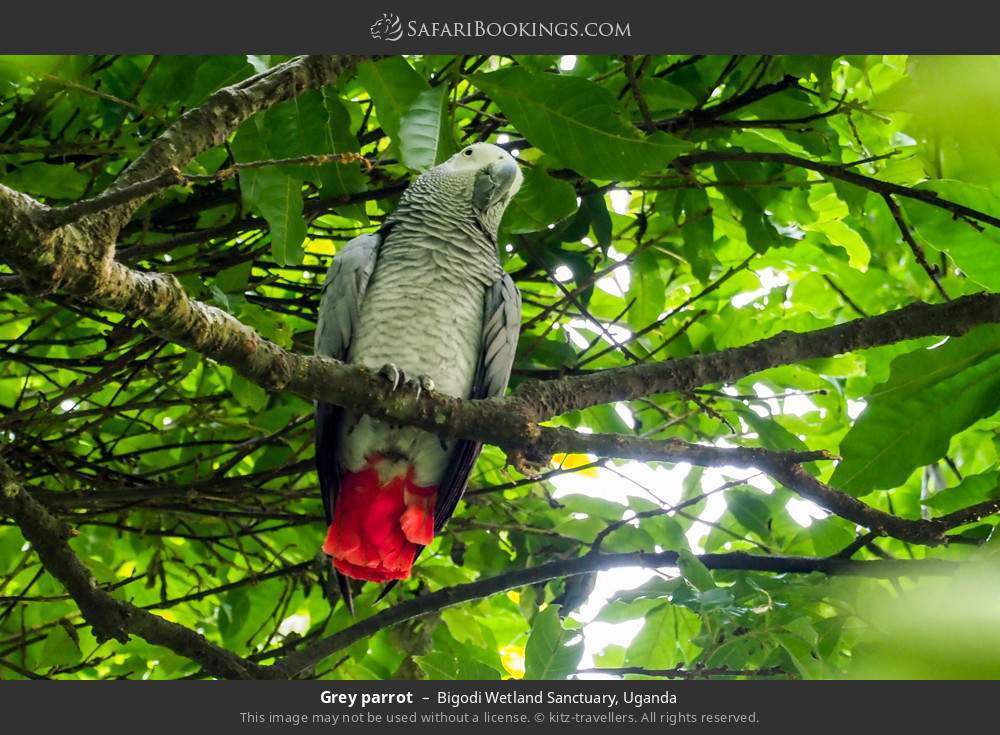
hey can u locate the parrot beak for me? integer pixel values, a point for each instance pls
(496, 181)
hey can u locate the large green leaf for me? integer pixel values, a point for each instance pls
(578, 122)
(665, 638)
(339, 178)
(541, 201)
(931, 395)
(60, 648)
(647, 290)
(694, 571)
(973, 489)
(425, 138)
(394, 86)
(276, 192)
(974, 247)
(547, 654)
(280, 203)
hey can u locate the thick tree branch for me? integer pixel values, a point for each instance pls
(510, 423)
(553, 397)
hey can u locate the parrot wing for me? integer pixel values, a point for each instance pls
(501, 325)
(339, 311)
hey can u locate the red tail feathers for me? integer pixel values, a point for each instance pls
(376, 528)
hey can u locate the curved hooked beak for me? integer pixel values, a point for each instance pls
(495, 182)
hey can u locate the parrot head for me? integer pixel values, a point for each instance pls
(488, 174)
(479, 181)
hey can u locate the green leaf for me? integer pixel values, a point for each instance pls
(425, 138)
(612, 656)
(578, 122)
(715, 599)
(339, 178)
(665, 638)
(550, 352)
(975, 248)
(547, 654)
(280, 203)
(248, 393)
(752, 512)
(48, 181)
(234, 279)
(750, 201)
(649, 290)
(663, 96)
(620, 611)
(698, 230)
(600, 219)
(443, 665)
(60, 648)
(541, 201)
(841, 235)
(233, 610)
(694, 571)
(276, 192)
(801, 655)
(667, 532)
(973, 489)
(770, 433)
(930, 396)
(394, 86)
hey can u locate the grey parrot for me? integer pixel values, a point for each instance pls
(426, 302)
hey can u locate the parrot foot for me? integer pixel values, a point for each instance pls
(391, 373)
(396, 377)
(420, 383)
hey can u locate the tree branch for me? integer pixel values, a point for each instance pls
(844, 173)
(209, 124)
(511, 422)
(172, 176)
(299, 662)
(110, 618)
(915, 248)
(553, 397)
(695, 672)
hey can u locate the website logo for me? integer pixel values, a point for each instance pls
(387, 28)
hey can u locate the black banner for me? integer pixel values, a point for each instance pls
(530, 706)
(515, 26)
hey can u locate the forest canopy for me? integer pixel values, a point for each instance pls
(752, 428)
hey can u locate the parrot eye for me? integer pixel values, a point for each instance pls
(467, 151)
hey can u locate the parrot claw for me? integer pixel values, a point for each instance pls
(393, 374)
(421, 383)
(397, 377)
